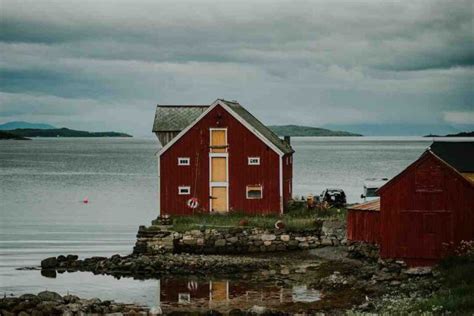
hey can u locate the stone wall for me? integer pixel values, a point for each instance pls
(161, 239)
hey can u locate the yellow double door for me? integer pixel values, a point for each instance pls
(219, 166)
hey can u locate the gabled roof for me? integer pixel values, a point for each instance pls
(233, 107)
(175, 118)
(459, 155)
(262, 129)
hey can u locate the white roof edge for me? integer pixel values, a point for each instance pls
(231, 112)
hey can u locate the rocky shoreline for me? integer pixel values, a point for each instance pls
(143, 266)
(51, 303)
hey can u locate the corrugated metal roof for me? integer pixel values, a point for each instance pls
(175, 118)
(459, 155)
(259, 126)
(368, 206)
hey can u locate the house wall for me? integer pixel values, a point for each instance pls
(242, 144)
(427, 205)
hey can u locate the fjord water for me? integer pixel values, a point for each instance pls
(44, 181)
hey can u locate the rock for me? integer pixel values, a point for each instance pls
(220, 243)
(28, 297)
(268, 237)
(72, 257)
(70, 299)
(233, 240)
(285, 238)
(49, 263)
(189, 240)
(303, 245)
(258, 309)
(49, 296)
(419, 271)
(267, 243)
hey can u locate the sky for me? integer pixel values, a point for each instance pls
(104, 65)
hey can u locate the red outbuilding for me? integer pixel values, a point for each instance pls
(219, 158)
(425, 210)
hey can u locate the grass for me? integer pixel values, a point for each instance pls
(457, 293)
(297, 218)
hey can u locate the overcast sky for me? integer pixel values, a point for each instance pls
(104, 65)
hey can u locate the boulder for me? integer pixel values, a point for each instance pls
(49, 263)
(49, 296)
(72, 257)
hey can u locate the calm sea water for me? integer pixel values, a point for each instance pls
(43, 181)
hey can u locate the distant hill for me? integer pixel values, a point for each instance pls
(63, 132)
(297, 130)
(21, 124)
(400, 129)
(462, 134)
(7, 135)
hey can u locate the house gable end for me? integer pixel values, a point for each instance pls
(233, 114)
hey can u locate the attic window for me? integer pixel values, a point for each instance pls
(183, 161)
(254, 161)
(184, 190)
(254, 192)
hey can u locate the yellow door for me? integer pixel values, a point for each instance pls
(219, 199)
(218, 169)
(218, 141)
(219, 291)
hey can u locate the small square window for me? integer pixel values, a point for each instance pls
(254, 161)
(254, 192)
(184, 190)
(184, 298)
(183, 161)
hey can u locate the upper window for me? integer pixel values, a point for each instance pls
(254, 192)
(183, 161)
(254, 161)
(184, 190)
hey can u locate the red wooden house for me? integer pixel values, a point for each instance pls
(427, 206)
(220, 158)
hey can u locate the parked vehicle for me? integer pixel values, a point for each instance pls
(371, 185)
(334, 197)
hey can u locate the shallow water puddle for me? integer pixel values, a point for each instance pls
(225, 295)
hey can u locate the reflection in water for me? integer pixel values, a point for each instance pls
(222, 295)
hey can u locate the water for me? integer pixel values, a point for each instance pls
(43, 181)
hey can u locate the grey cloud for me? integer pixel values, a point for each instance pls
(342, 61)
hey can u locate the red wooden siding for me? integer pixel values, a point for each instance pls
(242, 144)
(363, 226)
(287, 178)
(427, 205)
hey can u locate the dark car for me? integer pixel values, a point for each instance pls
(334, 197)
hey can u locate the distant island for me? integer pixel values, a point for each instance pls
(61, 132)
(297, 130)
(7, 135)
(462, 134)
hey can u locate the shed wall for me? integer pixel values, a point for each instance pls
(426, 206)
(363, 226)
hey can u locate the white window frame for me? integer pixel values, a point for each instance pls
(184, 161)
(254, 198)
(184, 190)
(253, 163)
